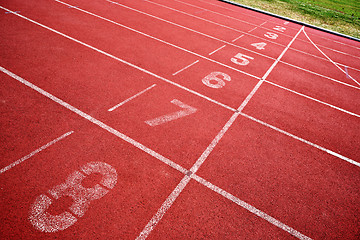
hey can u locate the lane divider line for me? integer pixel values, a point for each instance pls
(179, 188)
(236, 19)
(123, 61)
(162, 41)
(302, 140)
(96, 122)
(17, 162)
(191, 64)
(218, 49)
(250, 208)
(131, 98)
(329, 58)
(231, 44)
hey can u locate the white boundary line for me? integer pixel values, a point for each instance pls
(329, 57)
(121, 60)
(218, 49)
(17, 162)
(96, 122)
(302, 140)
(131, 98)
(231, 44)
(185, 67)
(250, 208)
(263, 39)
(176, 192)
(238, 12)
(234, 40)
(162, 41)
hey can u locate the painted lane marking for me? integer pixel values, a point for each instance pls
(81, 196)
(238, 38)
(17, 162)
(203, 34)
(176, 192)
(218, 49)
(162, 41)
(314, 99)
(347, 72)
(302, 140)
(329, 57)
(121, 60)
(250, 208)
(184, 68)
(186, 111)
(131, 98)
(11, 12)
(96, 122)
(236, 19)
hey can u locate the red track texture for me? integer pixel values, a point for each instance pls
(180, 119)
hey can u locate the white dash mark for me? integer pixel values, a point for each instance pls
(187, 110)
(347, 73)
(185, 67)
(17, 162)
(238, 38)
(131, 98)
(217, 50)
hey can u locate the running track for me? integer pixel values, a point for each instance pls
(175, 119)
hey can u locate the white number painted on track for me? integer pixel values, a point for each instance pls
(279, 28)
(45, 222)
(259, 46)
(187, 110)
(212, 80)
(286, 23)
(244, 59)
(271, 35)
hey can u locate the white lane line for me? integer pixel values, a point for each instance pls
(191, 30)
(17, 162)
(131, 98)
(281, 55)
(162, 41)
(236, 19)
(176, 192)
(96, 122)
(320, 75)
(329, 57)
(314, 99)
(121, 60)
(185, 67)
(217, 50)
(238, 38)
(302, 140)
(211, 37)
(250, 208)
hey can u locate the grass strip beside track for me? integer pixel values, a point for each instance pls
(342, 16)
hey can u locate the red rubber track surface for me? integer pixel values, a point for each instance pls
(211, 122)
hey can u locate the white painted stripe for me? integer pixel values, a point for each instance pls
(217, 50)
(236, 19)
(121, 60)
(131, 98)
(229, 43)
(96, 122)
(162, 41)
(238, 38)
(313, 99)
(318, 74)
(185, 67)
(250, 208)
(163, 209)
(329, 57)
(281, 55)
(172, 197)
(303, 140)
(17, 162)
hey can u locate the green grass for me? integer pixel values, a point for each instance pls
(342, 16)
